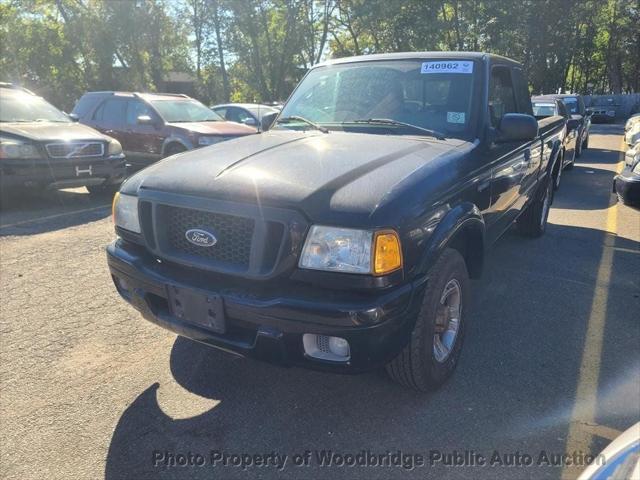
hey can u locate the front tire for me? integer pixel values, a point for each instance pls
(533, 221)
(436, 341)
(103, 190)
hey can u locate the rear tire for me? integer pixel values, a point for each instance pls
(433, 351)
(533, 221)
(579, 149)
(585, 144)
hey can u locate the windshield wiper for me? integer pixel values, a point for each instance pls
(297, 118)
(389, 121)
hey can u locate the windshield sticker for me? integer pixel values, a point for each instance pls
(455, 117)
(465, 66)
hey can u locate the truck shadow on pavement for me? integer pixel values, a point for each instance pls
(514, 389)
(39, 212)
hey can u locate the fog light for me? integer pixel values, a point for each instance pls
(324, 347)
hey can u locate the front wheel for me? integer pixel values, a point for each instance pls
(436, 341)
(533, 221)
(108, 190)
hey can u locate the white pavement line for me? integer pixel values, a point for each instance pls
(51, 217)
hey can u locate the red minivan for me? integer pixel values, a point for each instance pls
(151, 126)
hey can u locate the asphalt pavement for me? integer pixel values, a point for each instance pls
(551, 364)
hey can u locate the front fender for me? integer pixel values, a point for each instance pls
(464, 219)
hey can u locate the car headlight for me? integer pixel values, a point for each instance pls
(125, 212)
(114, 148)
(210, 140)
(351, 251)
(13, 148)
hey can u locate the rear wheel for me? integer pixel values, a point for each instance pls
(558, 170)
(436, 341)
(579, 146)
(533, 221)
(585, 144)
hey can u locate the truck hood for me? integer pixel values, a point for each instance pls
(215, 128)
(324, 175)
(43, 131)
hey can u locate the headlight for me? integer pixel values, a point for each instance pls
(125, 212)
(351, 251)
(13, 148)
(203, 141)
(114, 148)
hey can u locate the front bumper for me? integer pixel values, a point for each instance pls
(627, 186)
(61, 173)
(268, 322)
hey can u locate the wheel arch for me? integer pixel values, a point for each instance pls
(169, 141)
(462, 229)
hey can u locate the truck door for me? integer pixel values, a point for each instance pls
(534, 161)
(512, 158)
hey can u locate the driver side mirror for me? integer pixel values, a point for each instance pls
(250, 121)
(145, 120)
(267, 121)
(73, 117)
(517, 127)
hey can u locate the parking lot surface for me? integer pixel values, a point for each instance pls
(551, 363)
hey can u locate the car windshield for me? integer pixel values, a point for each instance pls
(572, 104)
(187, 110)
(28, 108)
(431, 94)
(544, 109)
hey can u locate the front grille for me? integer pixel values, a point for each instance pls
(75, 149)
(233, 234)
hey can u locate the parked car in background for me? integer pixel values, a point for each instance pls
(604, 109)
(151, 126)
(247, 113)
(578, 111)
(545, 108)
(42, 148)
(343, 238)
(627, 183)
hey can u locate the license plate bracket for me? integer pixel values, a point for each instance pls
(204, 310)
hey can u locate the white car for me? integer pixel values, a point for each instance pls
(632, 136)
(632, 156)
(632, 121)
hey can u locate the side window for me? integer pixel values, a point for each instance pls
(501, 94)
(522, 92)
(562, 110)
(135, 109)
(233, 114)
(111, 111)
(222, 112)
(243, 115)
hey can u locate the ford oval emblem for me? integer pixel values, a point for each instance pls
(200, 238)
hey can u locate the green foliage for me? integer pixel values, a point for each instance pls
(257, 50)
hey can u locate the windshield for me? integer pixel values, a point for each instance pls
(543, 109)
(28, 108)
(187, 110)
(434, 95)
(572, 104)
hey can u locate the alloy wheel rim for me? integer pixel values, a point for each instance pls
(447, 324)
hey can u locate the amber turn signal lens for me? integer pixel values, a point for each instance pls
(113, 207)
(387, 255)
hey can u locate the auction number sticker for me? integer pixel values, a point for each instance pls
(465, 66)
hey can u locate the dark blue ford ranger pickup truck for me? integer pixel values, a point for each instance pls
(343, 238)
